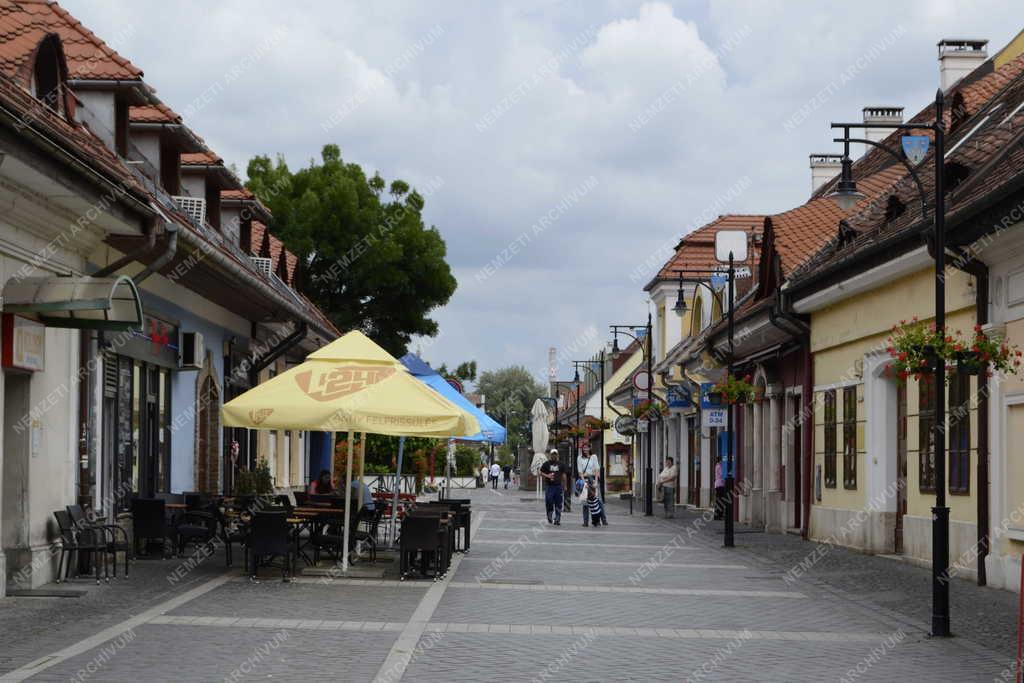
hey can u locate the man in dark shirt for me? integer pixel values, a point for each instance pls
(552, 471)
(507, 471)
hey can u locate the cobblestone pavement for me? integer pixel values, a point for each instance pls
(645, 599)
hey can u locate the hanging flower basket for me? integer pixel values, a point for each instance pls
(917, 349)
(734, 390)
(651, 410)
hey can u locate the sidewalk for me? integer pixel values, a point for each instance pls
(645, 599)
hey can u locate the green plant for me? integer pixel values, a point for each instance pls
(913, 346)
(734, 390)
(255, 481)
(650, 409)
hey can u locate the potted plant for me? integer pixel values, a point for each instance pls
(916, 348)
(734, 390)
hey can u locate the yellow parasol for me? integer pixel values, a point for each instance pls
(349, 385)
(352, 385)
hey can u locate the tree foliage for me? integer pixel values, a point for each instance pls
(464, 371)
(510, 393)
(367, 259)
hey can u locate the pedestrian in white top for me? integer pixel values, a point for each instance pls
(667, 482)
(495, 473)
(588, 469)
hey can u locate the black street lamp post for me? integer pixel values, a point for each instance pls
(846, 195)
(680, 307)
(648, 356)
(600, 380)
(567, 505)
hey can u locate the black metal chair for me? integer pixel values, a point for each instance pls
(425, 534)
(328, 534)
(115, 538)
(195, 526)
(74, 541)
(301, 498)
(149, 522)
(270, 536)
(229, 536)
(285, 501)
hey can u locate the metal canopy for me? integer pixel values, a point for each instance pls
(95, 303)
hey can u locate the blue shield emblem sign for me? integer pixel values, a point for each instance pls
(915, 147)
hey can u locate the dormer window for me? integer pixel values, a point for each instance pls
(49, 73)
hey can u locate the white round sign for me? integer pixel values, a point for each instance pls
(642, 380)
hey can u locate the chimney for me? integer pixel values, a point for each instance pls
(892, 115)
(959, 57)
(824, 167)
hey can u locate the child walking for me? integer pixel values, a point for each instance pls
(597, 516)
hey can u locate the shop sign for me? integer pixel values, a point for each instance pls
(24, 343)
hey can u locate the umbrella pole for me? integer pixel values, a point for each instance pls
(348, 503)
(398, 481)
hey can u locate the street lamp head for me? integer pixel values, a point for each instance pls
(615, 347)
(846, 195)
(680, 306)
(576, 375)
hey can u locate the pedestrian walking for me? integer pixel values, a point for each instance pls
(552, 472)
(596, 507)
(506, 473)
(495, 473)
(589, 470)
(484, 474)
(667, 482)
(719, 491)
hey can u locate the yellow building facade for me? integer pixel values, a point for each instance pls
(873, 469)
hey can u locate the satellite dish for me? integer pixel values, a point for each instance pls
(731, 241)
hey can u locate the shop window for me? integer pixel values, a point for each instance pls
(830, 438)
(850, 437)
(926, 434)
(960, 433)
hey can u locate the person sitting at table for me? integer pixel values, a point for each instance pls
(359, 488)
(322, 485)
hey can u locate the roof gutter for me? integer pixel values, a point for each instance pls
(250, 279)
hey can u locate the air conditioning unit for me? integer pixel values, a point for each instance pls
(194, 207)
(191, 351)
(264, 265)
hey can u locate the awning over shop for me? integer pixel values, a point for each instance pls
(490, 430)
(95, 303)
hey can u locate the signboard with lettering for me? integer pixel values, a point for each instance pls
(713, 417)
(679, 398)
(705, 400)
(24, 343)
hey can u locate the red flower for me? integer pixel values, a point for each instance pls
(977, 328)
(903, 356)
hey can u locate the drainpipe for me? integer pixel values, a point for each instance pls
(133, 255)
(163, 259)
(968, 264)
(784, 312)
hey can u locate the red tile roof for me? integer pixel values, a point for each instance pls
(153, 113)
(257, 231)
(802, 232)
(24, 23)
(989, 158)
(200, 159)
(240, 194)
(697, 250)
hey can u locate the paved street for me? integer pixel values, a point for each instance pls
(643, 599)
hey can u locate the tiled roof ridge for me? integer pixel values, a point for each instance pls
(96, 40)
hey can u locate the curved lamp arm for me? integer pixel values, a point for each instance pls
(902, 160)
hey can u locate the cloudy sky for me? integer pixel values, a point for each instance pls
(565, 146)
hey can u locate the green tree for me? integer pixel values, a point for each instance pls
(465, 371)
(367, 258)
(510, 393)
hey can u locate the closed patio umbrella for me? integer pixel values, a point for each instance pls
(539, 428)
